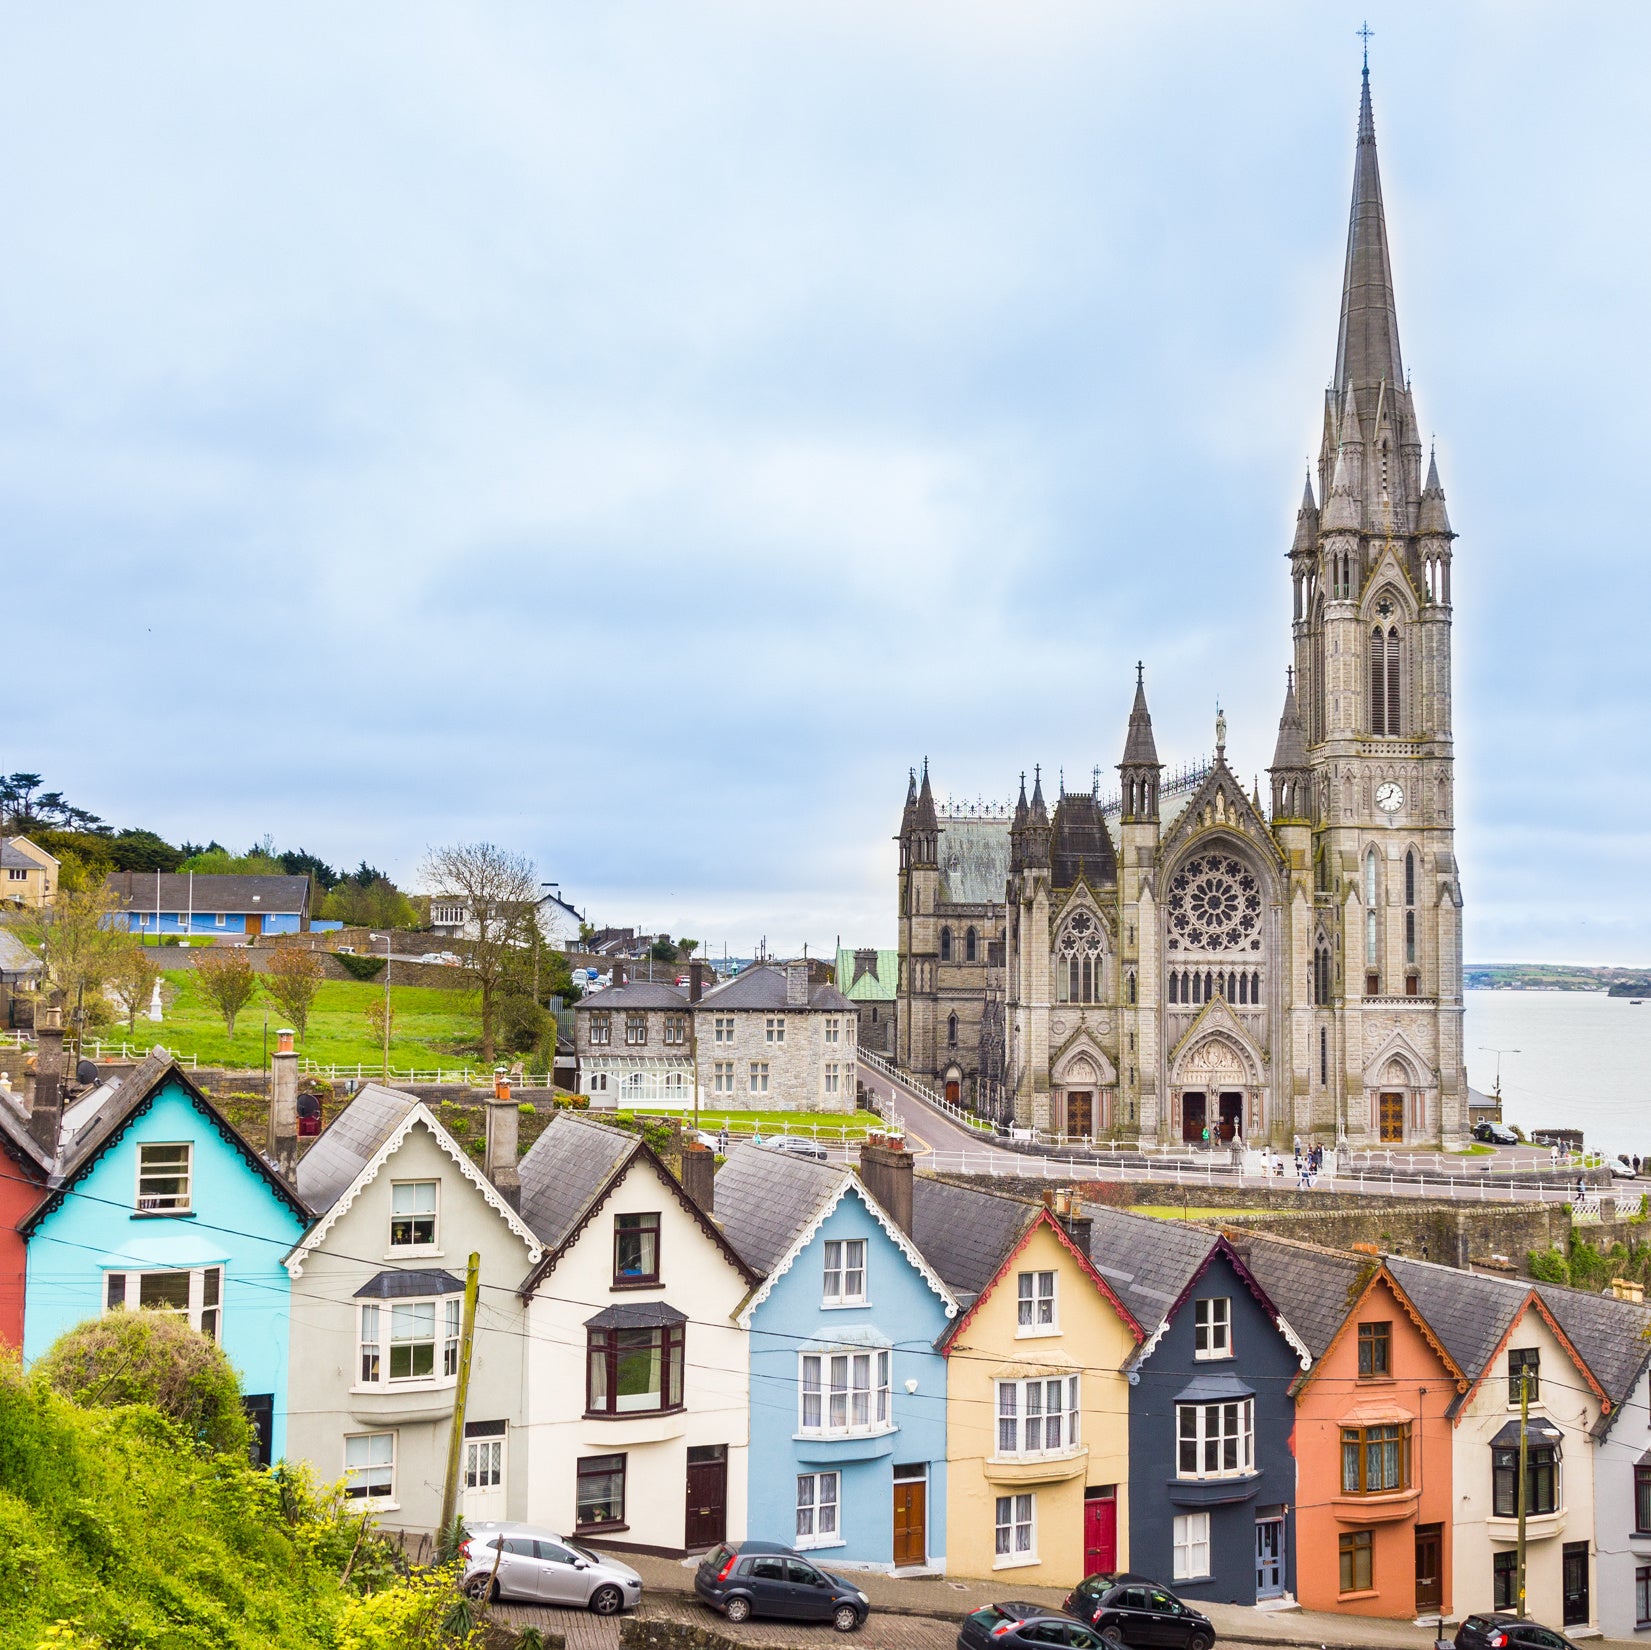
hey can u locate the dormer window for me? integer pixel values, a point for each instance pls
(635, 1249)
(413, 1214)
(1212, 1328)
(164, 1178)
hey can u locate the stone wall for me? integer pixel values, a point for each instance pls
(639, 1633)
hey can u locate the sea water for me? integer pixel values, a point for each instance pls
(1583, 1061)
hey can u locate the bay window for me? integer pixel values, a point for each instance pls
(634, 1360)
(194, 1294)
(1375, 1459)
(408, 1340)
(1541, 1480)
(1037, 1417)
(844, 1392)
(1215, 1440)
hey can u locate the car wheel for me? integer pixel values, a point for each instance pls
(480, 1587)
(1112, 1635)
(737, 1610)
(607, 1601)
(845, 1618)
(1199, 1641)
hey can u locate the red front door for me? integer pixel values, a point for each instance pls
(954, 1093)
(1100, 1532)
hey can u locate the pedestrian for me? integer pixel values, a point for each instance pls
(1636, 1165)
(722, 1140)
(1581, 1187)
(1553, 1155)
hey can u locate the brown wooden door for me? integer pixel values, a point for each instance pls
(911, 1521)
(707, 1521)
(255, 922)
(1390, 1114)
(1430, 1579)
(1192, 1117)
(954, 1093)
(1080, 1113)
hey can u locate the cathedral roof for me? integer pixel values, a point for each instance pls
(1083, 845)
(974, 860)
(1140, 748)
(924, 818)
(1367, 344)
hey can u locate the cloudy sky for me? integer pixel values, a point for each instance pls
(635, 434)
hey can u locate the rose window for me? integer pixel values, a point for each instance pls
(1215, 905)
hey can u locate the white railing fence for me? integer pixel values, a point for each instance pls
(919, 1090)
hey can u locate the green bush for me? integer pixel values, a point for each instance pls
(362, 967)
(1548, 1266)
(521, 1023)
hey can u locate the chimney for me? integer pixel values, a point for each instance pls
(618, 978)
(283, 1105)
(46, 1112)
(796, 985)
(696, 981)
(502, 1121)
(1625, 1289)
(887, 1172)
(699, 1175)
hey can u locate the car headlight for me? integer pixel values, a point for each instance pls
(861, 1596)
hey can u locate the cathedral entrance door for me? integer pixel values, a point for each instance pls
(1232, 1115)
(1390, 1115)
(953, 1093)
(1192, 1117)
(1080, 1113)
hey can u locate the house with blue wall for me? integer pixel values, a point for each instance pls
(1211, 1418)
(208, 903)
(155, 1200)
(848, 1394)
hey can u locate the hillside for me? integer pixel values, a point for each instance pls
(1619, 982)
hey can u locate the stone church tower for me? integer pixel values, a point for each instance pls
(1172, 958)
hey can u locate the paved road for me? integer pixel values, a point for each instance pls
(584, 1631)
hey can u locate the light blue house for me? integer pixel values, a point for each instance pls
(164, 903)
(848, 1395)
(156, 1201)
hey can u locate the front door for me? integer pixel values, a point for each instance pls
(911, 1521)
(255, 922)
(1192, 1117)
(1430, 1579)
(484, 1443)
(1232, 1115)
(1269, 1557)
(1080, 1113)
(1390, 1114)
(1574, 1585)
(707, 1521)
(1100, 1531)
(954, 1094)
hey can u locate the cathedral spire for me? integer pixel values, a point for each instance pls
(1140, 767)
(925, 819)
(909, 817)
(1367, 346)
(1432, 516)
(1307, 522)
(1289, 774)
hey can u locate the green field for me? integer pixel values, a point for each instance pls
(854, 1123)
(431, 1027)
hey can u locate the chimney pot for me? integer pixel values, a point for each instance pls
(283, 1105)
(283, 1042)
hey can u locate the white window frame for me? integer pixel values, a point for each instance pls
(484, 1458)
(759, 1077)
(1036, 1300)
(165, 1203)
(418, 1246)
(832, 1028)
(723, 1030)
(600, 1029)
(636, 1030)
(377, 1337)
(353, 1469)
(1015, 1531)
(844, 1393)
(833, 1079)
(844, 1282)
(1209, 1428)
(676, 1031)
(1024, 1409)
(14, 874)
(1192, 1546)
(1212, 1328)
(722, 1076)
(776, 1028)
(598, 1083)
(123, 1292)
(822, 1512)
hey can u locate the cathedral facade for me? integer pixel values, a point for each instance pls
(1183, 956)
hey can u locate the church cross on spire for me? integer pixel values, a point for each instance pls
(1364, 32)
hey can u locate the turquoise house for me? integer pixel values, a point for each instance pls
(848, 1395)
(156, 1201)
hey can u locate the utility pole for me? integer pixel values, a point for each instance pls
(1524, 1422)
(386, 1005)
(455, 1442)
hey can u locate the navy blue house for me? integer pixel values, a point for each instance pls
(1211, 1469)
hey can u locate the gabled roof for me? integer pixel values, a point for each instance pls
(355, 1156)
(764, 987)
(31, 858)
(963, 1233)
(122, 1109)
(19, 1145)
(1314, 1288)
(15, 956)
(570, 1173)
(1469, 1312)
(773, 1204)
(876, 984)
(208, 892)
(1613, 1336)
(1383, 1277)
(635, 994)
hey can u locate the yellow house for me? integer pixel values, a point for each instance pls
(28, 875)
(1037, 1406)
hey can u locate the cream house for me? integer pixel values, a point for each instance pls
(28, 875)
(637, 1377)
(378, 1291)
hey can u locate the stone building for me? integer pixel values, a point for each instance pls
(1180, 957)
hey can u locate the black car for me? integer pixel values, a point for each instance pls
(762, 1578)
(1132, 1609)
(1495, 1134)
(1014, 1624)
(1506, 1632)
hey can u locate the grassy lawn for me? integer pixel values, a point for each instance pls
(1164, 1211)
(431, 1027)
(854, 1123)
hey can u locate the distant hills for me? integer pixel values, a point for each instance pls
(1616, 982)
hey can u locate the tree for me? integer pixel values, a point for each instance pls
(500, 890)
(79, 936)
(376, 1011)
(153, 1358)
(292, 979)
(132, 981)
(226, 981)
(136, 850)
(662, 950)
(687, 948)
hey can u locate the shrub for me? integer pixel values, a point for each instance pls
(1548, 1266)
(153, 1358)
(521, 1023)
(362, 967)
(528, 1109)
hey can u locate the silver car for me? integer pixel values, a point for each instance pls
(526, 1562)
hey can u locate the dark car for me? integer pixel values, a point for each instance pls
(1011, 1625)
(1495, 1134)
(1132, 1609)
(762, 1578)
(1506, 1632)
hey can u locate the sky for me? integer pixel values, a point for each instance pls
(637, 434)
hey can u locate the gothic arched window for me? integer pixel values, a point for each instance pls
(1174, 987)
(1410, 877)
(1321, 975)
(1410, 936)
(1386, 678)
(1079, 956)
(1132, 990)
(945, 945)
(969, 945)
(951, 1031)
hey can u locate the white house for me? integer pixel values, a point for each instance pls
(638, 1379)
(450, 914)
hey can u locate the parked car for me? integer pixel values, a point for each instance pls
(542, 1567)
(1621, 1168)
(1495, 1134)
(1504, 1631)
(1015, 1624)
(1131, 1609)
(762, 1578)
(797, 1145)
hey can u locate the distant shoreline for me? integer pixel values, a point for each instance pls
(1612, 982)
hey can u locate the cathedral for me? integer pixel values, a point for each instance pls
(1183, 957)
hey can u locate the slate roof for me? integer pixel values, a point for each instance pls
(974, 860)
(401, 1285)
(1082, 844)
(13, 857)
(876, 985)
(1468, 1311)
(19, 1144)
(764, 987)
(635, 994)
(765, 1198)
(1312, 1287)
(1611, 1335)
(1148, 1262)
(328, 1169)
(964, 1234)
(566, 1171)
(208, 892)
(15, 956)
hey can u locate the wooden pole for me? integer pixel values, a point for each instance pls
(1524, 1422)
(455, 1442)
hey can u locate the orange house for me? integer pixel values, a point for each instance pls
(1374, 1446)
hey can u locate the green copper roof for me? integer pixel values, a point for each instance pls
(875, 984)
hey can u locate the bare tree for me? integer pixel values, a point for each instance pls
(79, 936)
(500, 890)
(292, 979)
(132, 981)
(227, 981)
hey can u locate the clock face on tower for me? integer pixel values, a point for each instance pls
(1390, 796)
